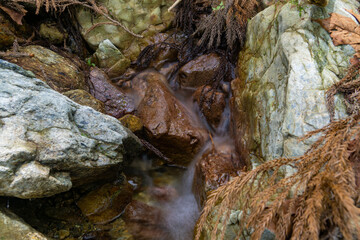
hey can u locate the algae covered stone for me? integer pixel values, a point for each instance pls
(140, 17)
(285, 68)
(132, 122)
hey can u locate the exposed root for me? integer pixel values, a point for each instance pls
(61, 5)
(350, 87)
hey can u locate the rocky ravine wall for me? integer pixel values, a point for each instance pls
(285, 68)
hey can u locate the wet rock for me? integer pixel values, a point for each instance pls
(145, 18)
(284, 74)
(96, 235)
(60, 73)
(164, 52)
(163, 194)
(215, 168)
(168, 68)
(144, 222)
(199, 71)
(132, 122)
(50, 32)
(212, 104)
(49, 143)
(63, 233)
(14, 228)
(108, 56)
(119, 67)
(117, 104)
(9, 31)
(107, 203)
(84, 98)
(119, 231)
(168, 124)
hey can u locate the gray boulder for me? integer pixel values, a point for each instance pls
(285, 68)
(14, 228)
(49, 143)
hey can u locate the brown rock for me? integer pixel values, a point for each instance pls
(60, 73)
(105, 204)
(145, 222)
(117, 104)
(163, 194)
(84, 98)
(199, 71)
(214, 169)
(119, 231)
(212, 104)
(132, 122)
(168, 124)
(157, 52)
(51, 33)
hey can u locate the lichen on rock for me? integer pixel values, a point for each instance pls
(49, 143)
(286, 66)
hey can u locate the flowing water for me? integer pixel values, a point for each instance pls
(181, 212)
(167, 189)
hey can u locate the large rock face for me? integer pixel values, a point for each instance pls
(285, 68)
(141, 17)
(48, 143)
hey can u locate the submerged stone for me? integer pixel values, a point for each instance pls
(107, 203)
(144, 221)
(215, 168)
(211, 103)
(14, 228)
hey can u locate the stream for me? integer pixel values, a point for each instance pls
(181, 209)
(152, 199)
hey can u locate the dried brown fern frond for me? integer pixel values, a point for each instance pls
(350, 87)
(228, 23)
(61, 5)
(216, 21)
(318, 197)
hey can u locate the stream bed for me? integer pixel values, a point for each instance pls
(158, 196)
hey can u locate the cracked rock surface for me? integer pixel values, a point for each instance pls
(49, 143)
(285, 68)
